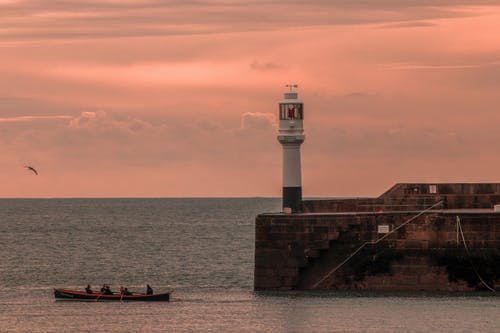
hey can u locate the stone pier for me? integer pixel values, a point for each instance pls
(385, 243)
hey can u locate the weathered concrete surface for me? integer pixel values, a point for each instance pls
(298, 251)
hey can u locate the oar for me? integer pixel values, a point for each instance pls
(121, 297)
(102, 293)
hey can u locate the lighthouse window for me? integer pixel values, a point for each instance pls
(291, 111)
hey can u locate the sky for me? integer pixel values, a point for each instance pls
(179, 98)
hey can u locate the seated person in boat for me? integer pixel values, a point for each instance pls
(107, 291)
(126, 292)
(88, 290)
(149, 290)
(103, 289)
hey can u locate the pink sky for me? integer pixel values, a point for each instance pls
(179, 98)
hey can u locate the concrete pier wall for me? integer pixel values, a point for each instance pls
(306, 251)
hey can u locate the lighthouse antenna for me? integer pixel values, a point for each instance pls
(291, 86)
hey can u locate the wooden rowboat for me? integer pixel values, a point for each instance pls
(65, 294)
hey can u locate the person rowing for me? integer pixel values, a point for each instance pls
(107, 290)
(88, 290)
(149, 290)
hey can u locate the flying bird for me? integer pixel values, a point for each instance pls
(31, 169)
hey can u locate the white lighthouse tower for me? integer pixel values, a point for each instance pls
(291, 136)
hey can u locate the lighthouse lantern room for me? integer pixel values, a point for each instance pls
(291, 136)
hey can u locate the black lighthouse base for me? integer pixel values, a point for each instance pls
(292, 198)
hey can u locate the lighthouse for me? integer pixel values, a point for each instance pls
(291, 136)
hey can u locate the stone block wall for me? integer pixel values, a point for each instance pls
(409, 202)
(298, 251)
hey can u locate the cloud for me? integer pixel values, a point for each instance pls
(258, 121)
(111, 19)
(189, 99)
(471, 76)
(33, 118)
(117, 126)
(424, 66)
(95, 138)
(409, 24)
(266, 66)
(85, 119)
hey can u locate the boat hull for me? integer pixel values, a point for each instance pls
(69, 295)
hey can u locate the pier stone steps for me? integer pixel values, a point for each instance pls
(373, 259)
(320, 264)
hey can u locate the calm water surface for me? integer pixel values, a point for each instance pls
(200, 248)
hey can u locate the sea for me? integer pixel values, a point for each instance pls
(201, 249)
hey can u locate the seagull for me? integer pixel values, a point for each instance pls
(32, 169)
